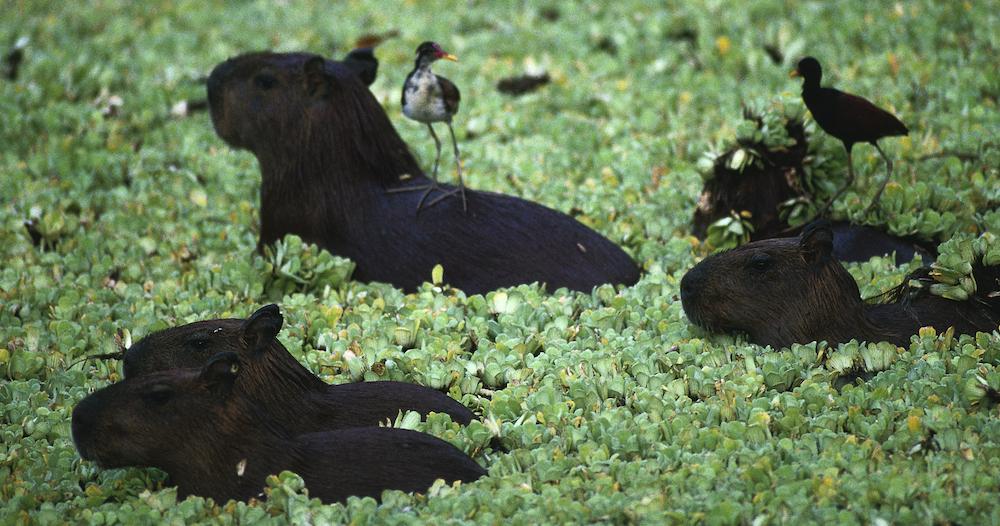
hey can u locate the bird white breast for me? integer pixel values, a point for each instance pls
(424, 102)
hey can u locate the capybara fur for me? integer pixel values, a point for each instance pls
(214, 442)
(778, 176)
(328, 154)
(274, 380)
(792, 290)
(760, 188)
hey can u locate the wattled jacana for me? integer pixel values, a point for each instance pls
(847, 117)
(429, 98)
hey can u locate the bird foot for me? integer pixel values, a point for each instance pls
(871, 206)
(459, 190)
(426, 188)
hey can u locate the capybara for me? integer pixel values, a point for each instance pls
(328, 155)
(214, 442)
(294, 397)
(792, 290)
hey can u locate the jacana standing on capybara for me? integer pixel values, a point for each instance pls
(277, 383)
(791, 290)
(847, 117)
(215, 442)
(430, 98)
(327, 155)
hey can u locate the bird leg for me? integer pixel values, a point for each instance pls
(458, 168)
(885, 181)
(429, 187)
(850, 181)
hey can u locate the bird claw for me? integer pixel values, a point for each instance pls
(460, 189)
(427, 189)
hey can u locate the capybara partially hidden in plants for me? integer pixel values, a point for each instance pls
(770, 176)
(274, 380)
(791, 290)
(328, 154)
(214, 442)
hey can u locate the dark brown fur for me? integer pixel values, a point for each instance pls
(328, 153)
(213, 442)
(759, 189)
(275, 381)
(791, 290)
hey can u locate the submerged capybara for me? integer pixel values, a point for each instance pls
(328, 154)
(277, 382)
(215, 442)
(791, 290)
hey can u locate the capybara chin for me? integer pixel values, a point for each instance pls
(276, 381)
(214, 442)
(791, 290)
(328, 154)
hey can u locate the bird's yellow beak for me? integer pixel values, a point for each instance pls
(449, 56)
(793, 73)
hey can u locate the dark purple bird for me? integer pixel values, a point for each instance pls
(847, 117)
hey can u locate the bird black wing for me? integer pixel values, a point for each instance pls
(450, 94)
(851, 118)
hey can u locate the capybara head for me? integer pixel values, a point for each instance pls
(292, 107)
(779, 291)
(272, 375)
(151, 420)
(193, 344)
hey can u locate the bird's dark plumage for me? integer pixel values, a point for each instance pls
(850, 118)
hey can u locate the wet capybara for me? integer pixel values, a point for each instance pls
(328, 154)
(276, 381)
(214, 442)
(761, 187)
(792, 290)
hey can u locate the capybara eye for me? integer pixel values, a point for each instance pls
(198, 343)
(760, 262)
(264, 81)
(158, 395)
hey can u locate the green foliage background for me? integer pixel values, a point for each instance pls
(614, 408)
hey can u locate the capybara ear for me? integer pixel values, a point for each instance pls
(262, 327)
(316, 78)
(221, 371)
(816, 242)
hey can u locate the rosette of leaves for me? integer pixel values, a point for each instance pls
(926, 210)
(950, 276)
(764, 128)
(982, 386)
(769, 124)
(990, 221)
(295, 266)
(730, 231)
